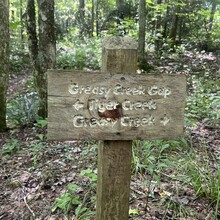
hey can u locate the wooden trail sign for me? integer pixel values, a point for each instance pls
(115, 106)
(104, 106)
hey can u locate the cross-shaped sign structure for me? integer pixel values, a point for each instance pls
(116, 106)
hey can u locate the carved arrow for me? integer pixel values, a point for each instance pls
(165, 120)
(78, 105)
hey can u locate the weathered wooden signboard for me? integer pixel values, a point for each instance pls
(104, 106)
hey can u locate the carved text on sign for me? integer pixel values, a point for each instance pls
(102, 106)
(114, 106)
(127, 105)
(118, 89)
(79, 121)
(105, 109)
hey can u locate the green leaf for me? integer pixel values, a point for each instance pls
(14, 25)
(85, 172)
(80, 210)
(72, 186)
(76, 201)
(42, 123)
(133, 211)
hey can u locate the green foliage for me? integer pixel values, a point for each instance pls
(182, 167)
(19, 57)
(204, 180)
(193, 169)
(79, 54)
(19, 60)
(22, 109)
(70, 200)
(133, 212)
(178, 209)
(41, 123)
(154, 160)
(36, 151)
(89, 173)
(203, 103)
(91, 176)
(11, 147)
(67, 200)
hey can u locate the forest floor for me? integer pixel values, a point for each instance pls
(47, 180)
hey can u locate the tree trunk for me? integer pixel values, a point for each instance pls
(82, 16)
(142, 33)
(158, 37)
(119, 4)
(174, 25)
(97, 17)
(42, 51)
(47, 49)
(92, 18)
(21, 21)
(32, 34)
(213, 10)
(180, 29)
(4, 60)
(165, 23)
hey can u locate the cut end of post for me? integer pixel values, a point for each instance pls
(119, 43)
(119, 55)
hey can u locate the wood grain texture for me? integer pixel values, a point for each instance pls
(61, 102)
(114, 157)
(114, 174)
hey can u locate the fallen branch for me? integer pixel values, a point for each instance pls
(25, 201)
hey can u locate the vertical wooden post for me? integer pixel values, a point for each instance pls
(119, 55)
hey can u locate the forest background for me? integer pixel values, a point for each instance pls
(52, 180)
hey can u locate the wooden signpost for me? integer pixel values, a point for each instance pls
(115, 106)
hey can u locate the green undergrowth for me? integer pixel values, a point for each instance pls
(175, 168)
(22, 106)
(177, 172)
(203, 101)
(22, 109)
(78, 54)
(71, 200)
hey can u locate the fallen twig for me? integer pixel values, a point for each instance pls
(25, 201)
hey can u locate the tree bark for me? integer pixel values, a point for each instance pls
(97, 17)
(213, 10)
(21, 21)
(180, 29)
(120, 16)
(142, 32)
(92, 18)
(82, 16)
(174, 25)
(42, 50)
(4, 60)
(32, 34)
(158, 37)
(165, 23)
(47, 49)
(120, 4)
